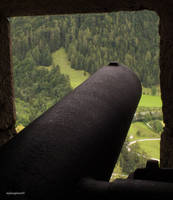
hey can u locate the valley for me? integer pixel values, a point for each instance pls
(52, 55)
(140, 131)
(142, 139)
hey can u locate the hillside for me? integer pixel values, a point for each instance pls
(142, 137)
(92, 41)
(54, 54)
(150, 101)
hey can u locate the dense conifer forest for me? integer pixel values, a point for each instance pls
(90, 42)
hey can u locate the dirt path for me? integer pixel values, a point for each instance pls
(142, 140)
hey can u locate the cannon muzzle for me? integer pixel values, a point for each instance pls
(81, 136)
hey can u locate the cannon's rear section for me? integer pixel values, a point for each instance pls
(79, 137)
(152, 183)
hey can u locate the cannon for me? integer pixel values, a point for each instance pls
(80, 136)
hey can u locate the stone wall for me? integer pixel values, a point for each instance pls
(7, 109)
(166, 83)
(11, 8)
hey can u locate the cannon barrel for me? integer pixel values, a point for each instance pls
(80, 136)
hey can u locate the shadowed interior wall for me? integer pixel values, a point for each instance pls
(7, 109)
(166, 83)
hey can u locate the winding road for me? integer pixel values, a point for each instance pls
(142, 140)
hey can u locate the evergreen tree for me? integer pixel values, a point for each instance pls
(91, 41)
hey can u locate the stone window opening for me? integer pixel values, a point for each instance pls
(163, 9)
(126, 62)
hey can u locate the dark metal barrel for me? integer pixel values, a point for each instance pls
(81, 136)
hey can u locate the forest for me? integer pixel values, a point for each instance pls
(89, 42)
(92, 41)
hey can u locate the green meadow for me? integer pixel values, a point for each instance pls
(142, 131)
(152, 148)
(150, 101)
(76, 76)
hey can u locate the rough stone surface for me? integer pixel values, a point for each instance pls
(7, 110)
(166, 152)
(39, 7)
(166, 83)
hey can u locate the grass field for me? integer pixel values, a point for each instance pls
(76, 76)
(140, 130)
(152, 148)
(150, 101)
